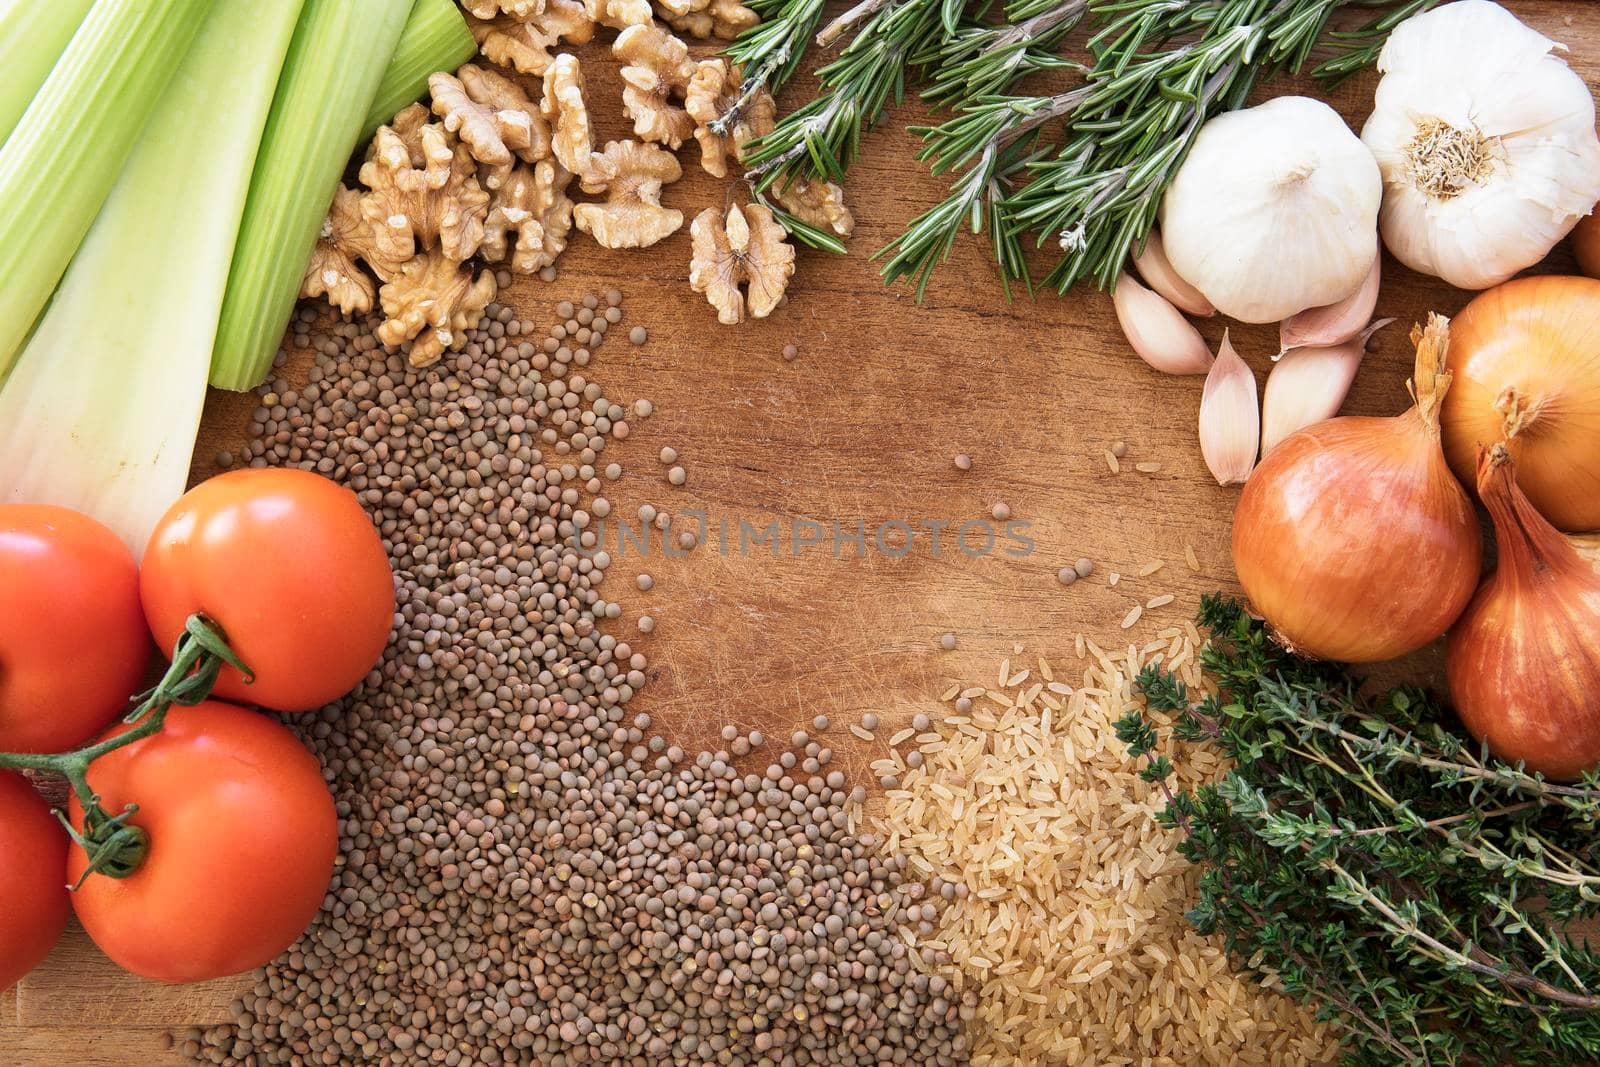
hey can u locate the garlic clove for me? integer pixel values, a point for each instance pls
(1230, 423)
(1336, 323)
(1307, 385)
(1159, 274)
(1158, 331)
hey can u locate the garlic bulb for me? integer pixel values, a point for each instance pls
(1274, 211)
(1487, 144)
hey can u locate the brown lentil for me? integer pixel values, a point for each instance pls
(527, 875)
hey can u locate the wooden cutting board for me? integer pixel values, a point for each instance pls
(863, 425)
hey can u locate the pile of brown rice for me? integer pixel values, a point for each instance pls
(1067, 898)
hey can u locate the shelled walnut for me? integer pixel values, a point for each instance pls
(619, 14)
(422, 200)
(722, 19)
(564, 107)
(713, 90)
(746, 246)
(655, 75)
(488, 9)
(531, 211)
(333, 271)
(491, 115)
(524, 44)
(632, 178)
(432, 303)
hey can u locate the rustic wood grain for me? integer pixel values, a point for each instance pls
(862, 425)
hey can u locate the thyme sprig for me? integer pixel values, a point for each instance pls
(1085, 180)
(1381, 864)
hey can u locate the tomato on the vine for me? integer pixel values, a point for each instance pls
(242, 838)
(291, 568)
(73, 642)
(33, 878)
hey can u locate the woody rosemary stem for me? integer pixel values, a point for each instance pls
(116, 847)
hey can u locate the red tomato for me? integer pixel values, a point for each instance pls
(291, 568)
(242, 839)
(73, 643)
(33, 879)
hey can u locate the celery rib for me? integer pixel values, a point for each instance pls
(63, 157)
(32, 37)
(336, 61)
(436, 38)
(101, 409)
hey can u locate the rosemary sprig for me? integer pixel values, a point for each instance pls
(1390, 873)
(769, 53)
(823, 137)
(984, 59)
(1087, 179)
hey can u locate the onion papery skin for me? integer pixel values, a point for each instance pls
(1524, 660)
(1541, 338)
(1354, 542)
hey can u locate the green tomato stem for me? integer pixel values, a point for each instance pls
(115, 846)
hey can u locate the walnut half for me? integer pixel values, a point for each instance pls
(333, 271)
(490, 114)
(632, 177)
(524, 44)
(655, 75)
(530, 210)
(432, 303)
(747, 246)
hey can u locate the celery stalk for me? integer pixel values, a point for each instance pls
(101, 410)
(340, 50)
(435, 38)
(32, 37)
(60, 162)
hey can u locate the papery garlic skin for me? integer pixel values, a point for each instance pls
(1487, 144)
(1274, 211)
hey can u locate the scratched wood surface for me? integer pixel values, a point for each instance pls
(861, 426)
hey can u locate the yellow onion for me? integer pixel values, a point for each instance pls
(1526, 359)
(1524, 660)
(1352, 538)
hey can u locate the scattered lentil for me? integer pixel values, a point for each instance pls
(947, 641)
(1001, 512)
(1119, 448)
(870, 720)
(821, 723)
(1084, 567)
(638, 335)
(677, 476)
(527, 875)
(1066, 575)
(647, 624)
(669, 454)
(790, 352)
